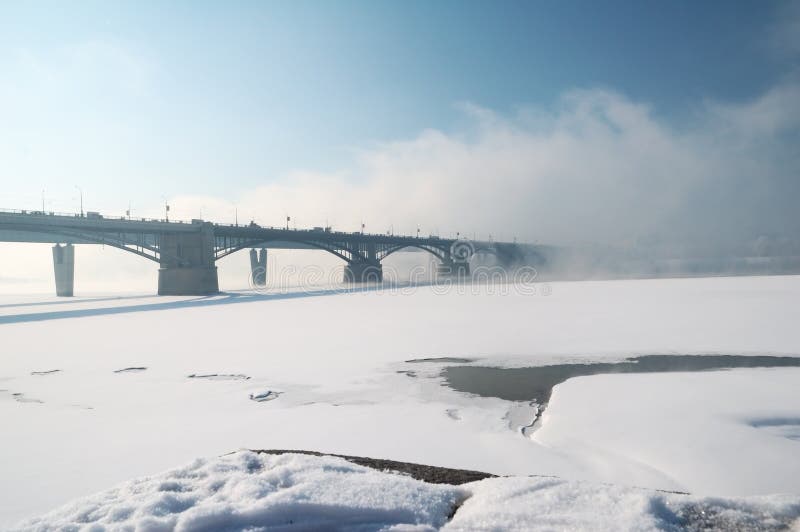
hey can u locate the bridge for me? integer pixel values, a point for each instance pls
(186, 252)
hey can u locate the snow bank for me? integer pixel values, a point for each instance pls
(246, 490)
(253, 491)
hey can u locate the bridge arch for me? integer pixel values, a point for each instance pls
(435, 251)
(143, 250)
(262, 243)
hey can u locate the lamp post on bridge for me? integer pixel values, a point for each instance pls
(166, 208)
(80, 191)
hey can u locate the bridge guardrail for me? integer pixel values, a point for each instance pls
(35, 212)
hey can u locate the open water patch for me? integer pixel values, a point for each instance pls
(535, 384)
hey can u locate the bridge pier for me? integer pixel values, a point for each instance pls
(258, 267)
(452, 268)
(363, 272)
(64, 269)
(187, 263)
(187, 281)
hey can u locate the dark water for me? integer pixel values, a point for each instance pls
(536, 383)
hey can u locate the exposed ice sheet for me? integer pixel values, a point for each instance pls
(249, 491)
(335, 358)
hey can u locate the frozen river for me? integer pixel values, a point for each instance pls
(94, 391)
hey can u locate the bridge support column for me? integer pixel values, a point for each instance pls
(187, 263)
(258, 267)
(187, 281)
(64, 269)
(363, 272)
(452, 268)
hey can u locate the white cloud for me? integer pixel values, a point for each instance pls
(774, 113)
(597, 167)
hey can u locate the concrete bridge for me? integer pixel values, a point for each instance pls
(186, 252)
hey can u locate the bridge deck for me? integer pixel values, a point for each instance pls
(34, 226)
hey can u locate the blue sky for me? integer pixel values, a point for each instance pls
(135, 101)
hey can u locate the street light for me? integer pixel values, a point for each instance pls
(80, 190)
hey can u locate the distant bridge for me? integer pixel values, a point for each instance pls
(186, 252)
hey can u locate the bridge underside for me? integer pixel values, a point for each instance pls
(187, 265)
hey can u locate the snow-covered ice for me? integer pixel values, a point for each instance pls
(335, 359)
(699, 431)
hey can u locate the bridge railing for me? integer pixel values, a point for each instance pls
(39, 213)
(99, 216)
(90, 215)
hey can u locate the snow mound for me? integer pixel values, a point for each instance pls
(266, 492)
(542, 503)
(249, 491)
